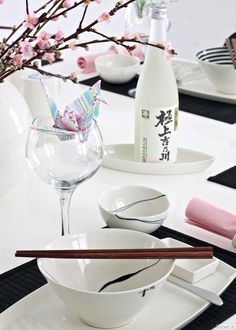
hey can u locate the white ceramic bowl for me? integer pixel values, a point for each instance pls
(77, 281)
(117, 68)
(134, 207)
(218, 67)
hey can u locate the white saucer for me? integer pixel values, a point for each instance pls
(198, 85)
(121, 157)
(42, 309)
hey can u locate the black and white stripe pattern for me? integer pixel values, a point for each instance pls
(218, 55)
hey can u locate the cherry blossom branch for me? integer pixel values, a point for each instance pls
(2, 27)
(34, 44)
(27, 7)
(15, 29)
(65, 11)
(119, 5)
(43, 21)
(83, 16)
(47, 73)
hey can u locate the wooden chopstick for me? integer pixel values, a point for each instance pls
(152, 253)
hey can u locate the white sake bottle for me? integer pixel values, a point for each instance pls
(156, 99)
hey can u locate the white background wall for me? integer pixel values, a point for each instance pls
(196, 24)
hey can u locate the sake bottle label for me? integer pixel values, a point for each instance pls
(157, 134)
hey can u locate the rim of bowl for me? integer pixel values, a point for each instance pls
(39, 261)
(133, 186)
(214, 56)
(134, 59)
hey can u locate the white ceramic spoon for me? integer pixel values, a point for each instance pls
(203, 293)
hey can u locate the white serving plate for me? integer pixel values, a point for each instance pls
(121, 157)
(198, 85)
(43, 310)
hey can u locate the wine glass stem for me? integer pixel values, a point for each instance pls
(65, 199)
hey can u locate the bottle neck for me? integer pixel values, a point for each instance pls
(158, 28)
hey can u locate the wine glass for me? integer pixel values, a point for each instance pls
(64, 159)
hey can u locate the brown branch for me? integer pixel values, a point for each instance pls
(47, 73)
(44, 6)
(84, 44)
(122, 41)
(117, 7)
(83, 16)
(21, 24)
(5, 27)
(65, 11)
(46, 19)
(27, 7)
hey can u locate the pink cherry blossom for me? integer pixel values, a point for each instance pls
(43, 40)
(1, 2)
(17, 59)
(128, 36)
(98, 1)
(26, 47)
(59, 35)
(56, 18)
(50, 57)
(66, 4)
(31, 21)
(104, 17)
(168, 51)
(72, 45)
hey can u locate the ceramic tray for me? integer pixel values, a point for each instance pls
(43, 310)
(196, 84)
(120, 157)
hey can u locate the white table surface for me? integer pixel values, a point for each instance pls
(30, 215)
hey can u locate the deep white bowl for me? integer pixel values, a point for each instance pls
(218, 67)
(134, 207)
(77, 281)
(117, 68)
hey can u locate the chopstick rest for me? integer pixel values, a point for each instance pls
(150, 253)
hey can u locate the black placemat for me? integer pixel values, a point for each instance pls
(18, 283)
(206, 108)
(226, 178)
(22, 280)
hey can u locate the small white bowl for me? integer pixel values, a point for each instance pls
(78, 281)
(117, 68)
(218, 67)
(134, 207)
(191, 270)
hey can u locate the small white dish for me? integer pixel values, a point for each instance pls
(117, 68)
(199, 85)
(134, 207)
(191, 270)
(44, 310)
(121, 157)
